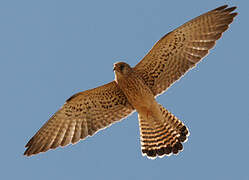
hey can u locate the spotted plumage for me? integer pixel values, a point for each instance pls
(135, 89)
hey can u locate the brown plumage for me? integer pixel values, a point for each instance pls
(135, 89)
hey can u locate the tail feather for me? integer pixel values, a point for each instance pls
(176, 123)
(162, 138)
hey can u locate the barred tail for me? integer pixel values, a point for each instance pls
(162, 138)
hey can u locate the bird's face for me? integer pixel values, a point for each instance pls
(122, 69)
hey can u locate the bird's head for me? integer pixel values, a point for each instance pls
(122, 69)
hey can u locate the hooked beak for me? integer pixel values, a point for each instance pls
(114, 67)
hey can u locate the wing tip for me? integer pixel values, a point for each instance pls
(31, 151)
(221, 7)
(225, 8)
(27, 151)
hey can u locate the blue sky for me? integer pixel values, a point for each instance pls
(50, 50)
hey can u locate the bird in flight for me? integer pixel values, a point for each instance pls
(135, 89)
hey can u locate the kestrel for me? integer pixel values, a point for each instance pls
(135, 89)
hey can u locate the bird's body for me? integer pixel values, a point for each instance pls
(135, 89)
(159, 136)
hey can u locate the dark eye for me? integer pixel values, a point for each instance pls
(121, 67)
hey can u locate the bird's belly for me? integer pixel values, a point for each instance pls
(138, 94)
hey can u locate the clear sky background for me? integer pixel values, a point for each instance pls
(50, 50)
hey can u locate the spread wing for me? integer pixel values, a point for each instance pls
(82, 115)
(180, 50)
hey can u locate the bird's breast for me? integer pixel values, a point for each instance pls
(137, 93)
